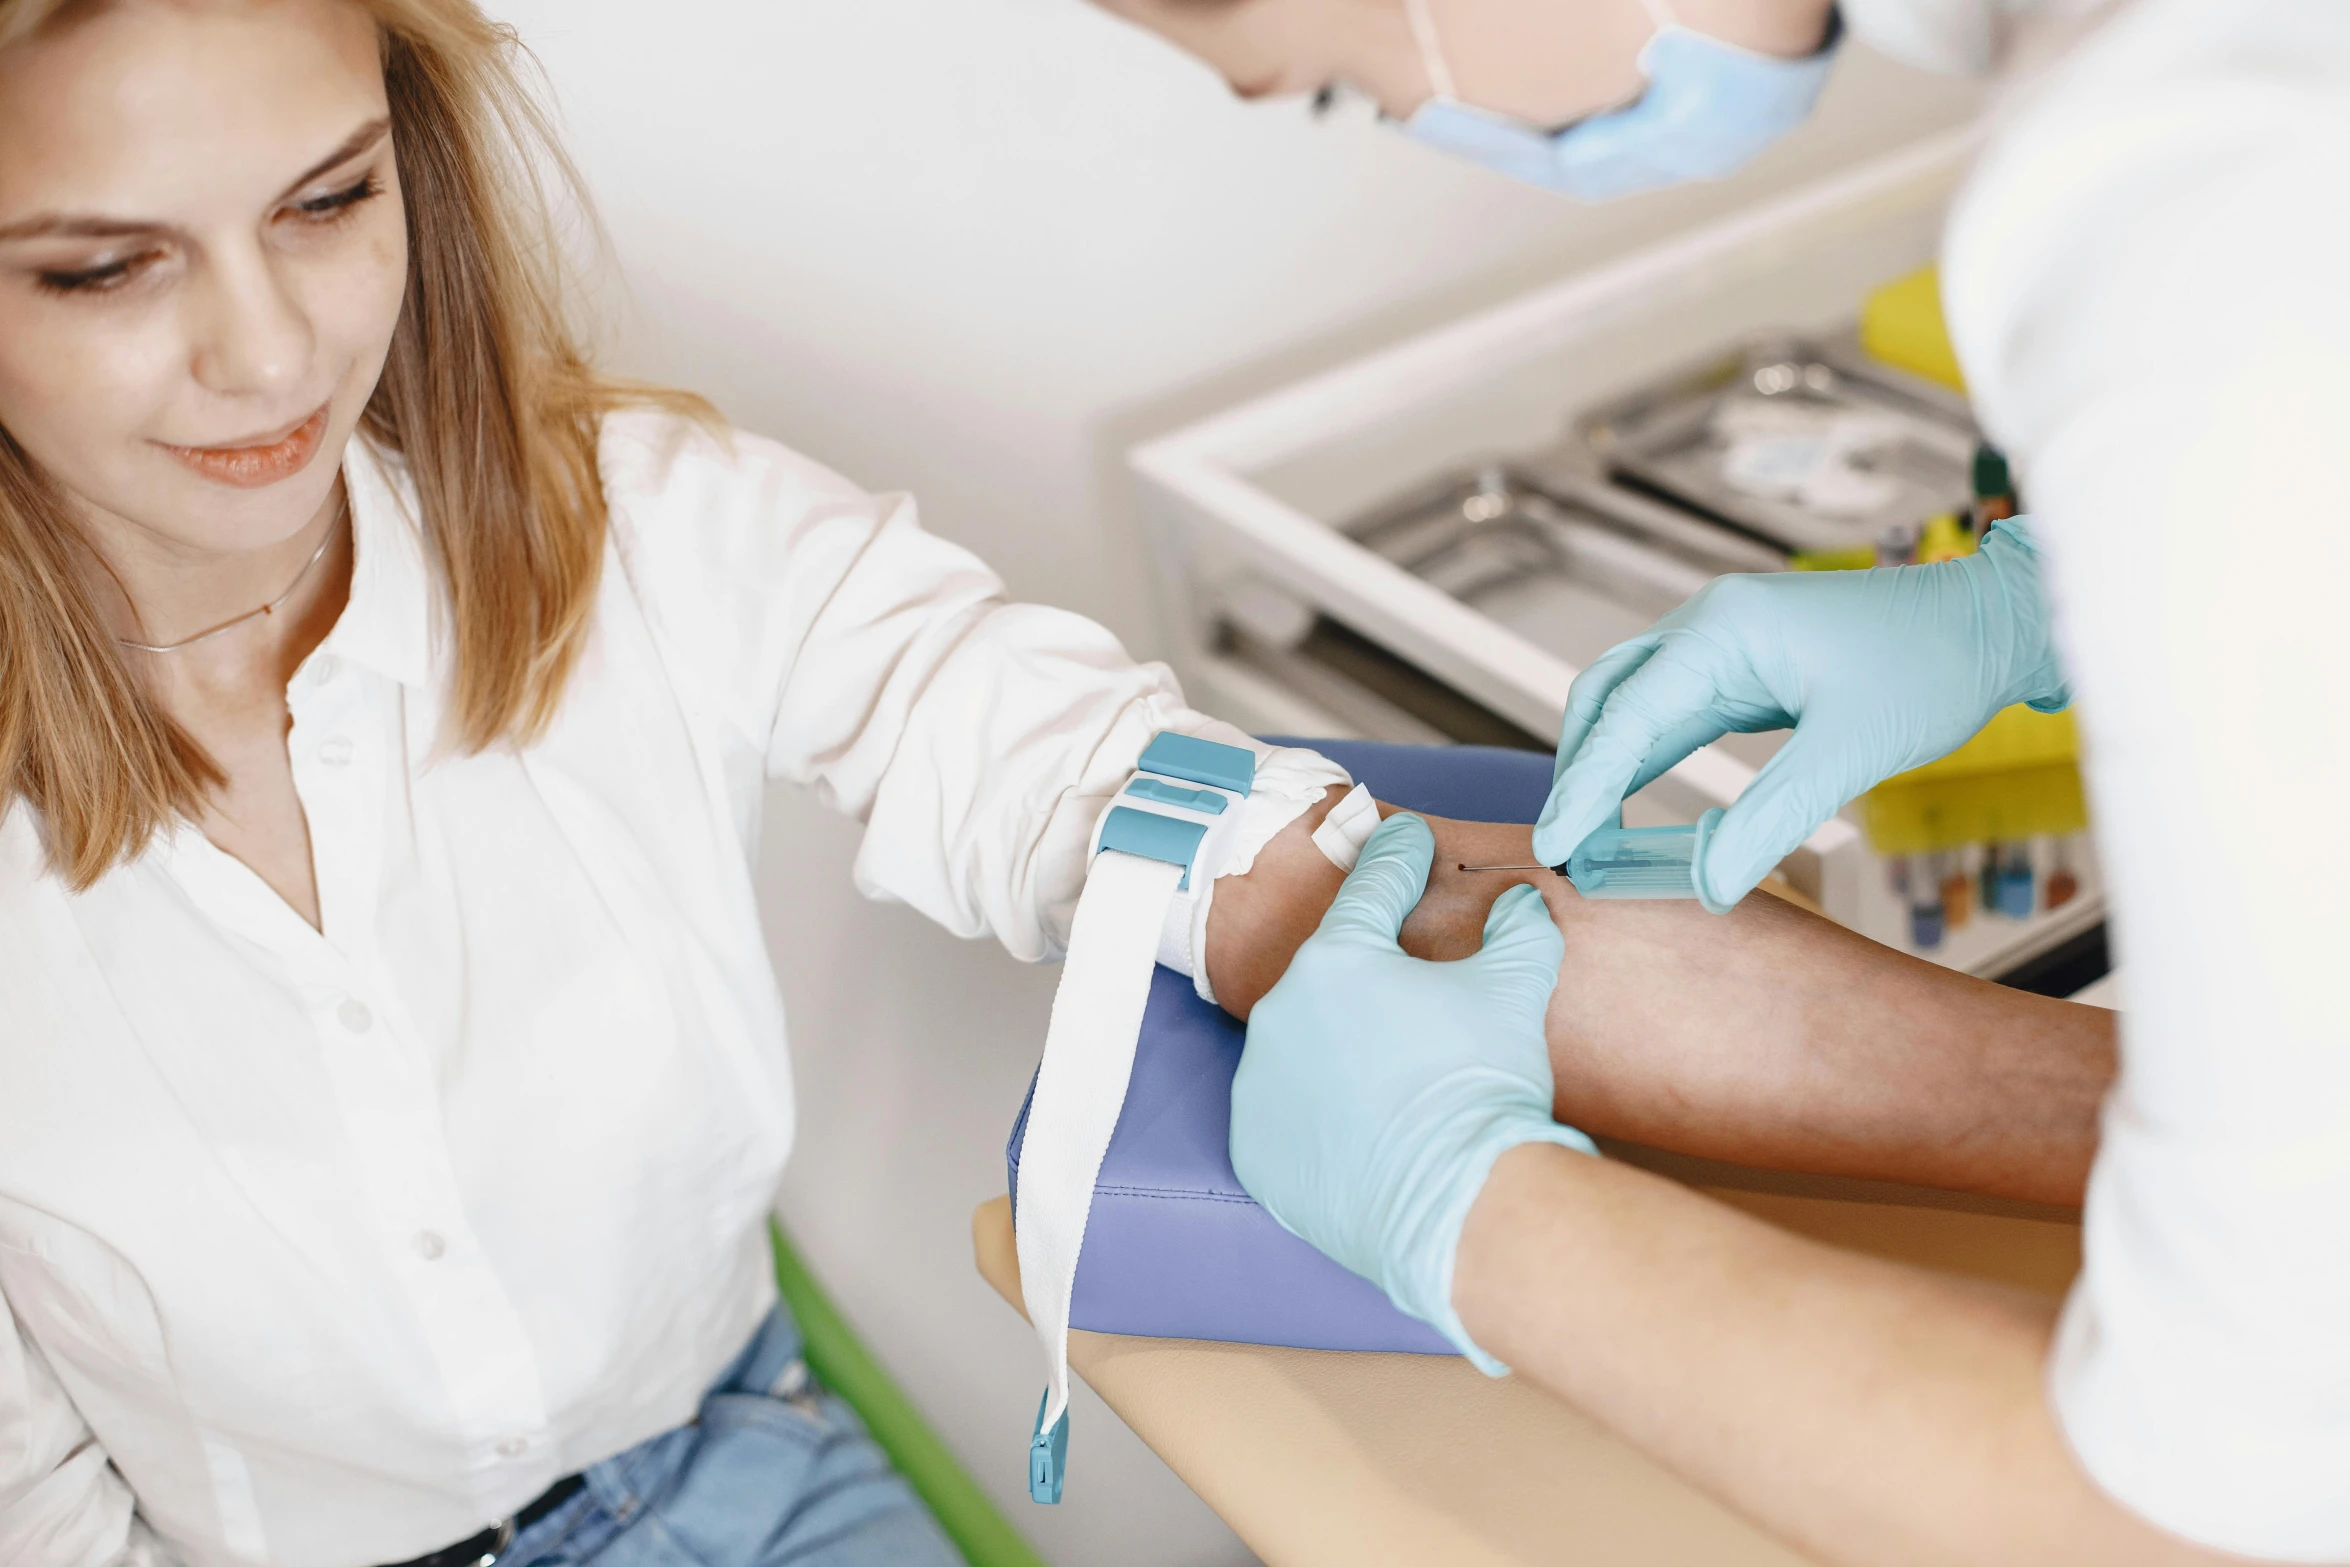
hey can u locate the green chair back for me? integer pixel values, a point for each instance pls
(843, 1364)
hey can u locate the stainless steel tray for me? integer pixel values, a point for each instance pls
(1802, 442)
(1575, 566)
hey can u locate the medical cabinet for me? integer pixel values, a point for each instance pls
(1427, 543)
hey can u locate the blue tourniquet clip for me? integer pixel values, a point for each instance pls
(1048, 1455)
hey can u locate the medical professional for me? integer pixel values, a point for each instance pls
(2145, 280)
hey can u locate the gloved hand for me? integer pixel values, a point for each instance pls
(1377, 1090)
(1877, 672)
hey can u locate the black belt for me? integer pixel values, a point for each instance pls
(484, 1549)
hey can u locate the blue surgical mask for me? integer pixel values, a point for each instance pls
(1709, 107)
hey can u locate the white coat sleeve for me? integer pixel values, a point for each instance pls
(2149, 284)
(62, 1504)
(883, 668)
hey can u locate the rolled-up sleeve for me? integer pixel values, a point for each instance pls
(2147, 284)
(884, 668)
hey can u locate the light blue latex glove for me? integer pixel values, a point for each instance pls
(1377, 1090)
(1876, 671)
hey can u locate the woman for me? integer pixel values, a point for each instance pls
(392, 1080)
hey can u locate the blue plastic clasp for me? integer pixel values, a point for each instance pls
(1149, 836)
(1048, 1455)
(1198, 761)
(1179, 800)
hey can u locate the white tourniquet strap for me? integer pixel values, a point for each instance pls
(1080, 1088)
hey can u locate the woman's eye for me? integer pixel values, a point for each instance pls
(108, 275)
(332, 205)
(93, 280)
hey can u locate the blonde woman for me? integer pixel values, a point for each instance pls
(392, 1079)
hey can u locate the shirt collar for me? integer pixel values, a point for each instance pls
(394, 622)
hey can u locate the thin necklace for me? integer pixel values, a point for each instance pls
(269, 608)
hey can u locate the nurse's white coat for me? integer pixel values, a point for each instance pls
(2148, 279)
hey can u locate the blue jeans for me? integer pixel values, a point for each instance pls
(773, 1470)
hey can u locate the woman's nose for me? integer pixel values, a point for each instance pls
(249, 333)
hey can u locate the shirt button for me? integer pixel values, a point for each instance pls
(513, 1447)
(335, 750)
(354, 1015)
(429, 1245)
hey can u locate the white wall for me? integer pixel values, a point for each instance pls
(971, 248)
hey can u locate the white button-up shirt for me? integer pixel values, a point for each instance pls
(333, 1245)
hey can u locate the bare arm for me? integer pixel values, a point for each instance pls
(1871, 1414)
(1768, 1036)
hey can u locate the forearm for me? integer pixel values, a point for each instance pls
(1865, 1412)
(1767, 1036)
(1775, 1038)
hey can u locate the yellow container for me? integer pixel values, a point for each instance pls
(2019, 777)
(1901, 324)
(2015, 737)
(1945, 538)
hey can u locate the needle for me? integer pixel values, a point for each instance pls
(1459, 866)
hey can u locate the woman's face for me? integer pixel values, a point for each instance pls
(202, 259)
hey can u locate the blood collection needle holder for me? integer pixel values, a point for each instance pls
(1637, 862)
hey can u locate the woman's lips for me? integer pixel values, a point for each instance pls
(262, 463)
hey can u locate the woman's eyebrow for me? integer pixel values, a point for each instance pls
(357, 142)
(61, 225)
(66, 225)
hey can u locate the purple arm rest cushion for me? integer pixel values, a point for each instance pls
(1174, 1247)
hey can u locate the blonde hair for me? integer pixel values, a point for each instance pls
(488, 394)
